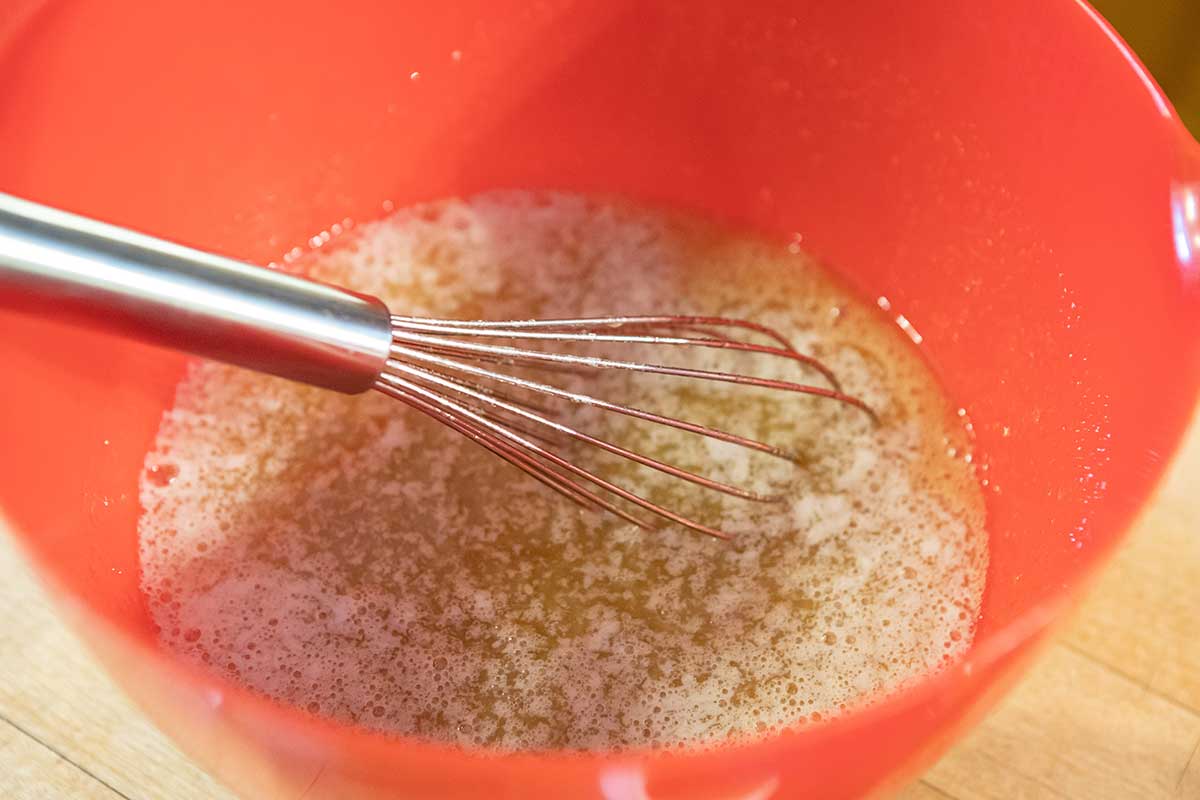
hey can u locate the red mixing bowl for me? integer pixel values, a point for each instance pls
(1003, 171)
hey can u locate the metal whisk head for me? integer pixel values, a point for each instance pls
(452, 371)
(459, 373)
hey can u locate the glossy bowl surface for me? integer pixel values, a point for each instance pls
(1003, 172)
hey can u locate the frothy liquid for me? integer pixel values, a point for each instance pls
(349, 556)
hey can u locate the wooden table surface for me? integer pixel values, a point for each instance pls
(1112, 709)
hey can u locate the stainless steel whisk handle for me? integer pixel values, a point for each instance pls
(63, 265)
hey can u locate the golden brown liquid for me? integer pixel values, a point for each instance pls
(349, 556)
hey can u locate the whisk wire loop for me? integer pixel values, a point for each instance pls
(452, 371)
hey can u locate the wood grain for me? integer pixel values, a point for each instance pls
(1142, 617)
(54, 693)
(1112, 710)
(1074, 729)
(32, 769)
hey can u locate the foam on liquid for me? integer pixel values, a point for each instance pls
(349, 556)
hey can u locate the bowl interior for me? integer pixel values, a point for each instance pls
(956, 159)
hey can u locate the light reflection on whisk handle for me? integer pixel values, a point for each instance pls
(65, 266)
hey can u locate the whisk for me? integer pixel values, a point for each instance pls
(471, 376)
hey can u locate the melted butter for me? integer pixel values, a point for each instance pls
(351, 557)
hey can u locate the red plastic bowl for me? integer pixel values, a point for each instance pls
(1003, 171)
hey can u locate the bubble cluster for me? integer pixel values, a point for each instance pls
(350, 557)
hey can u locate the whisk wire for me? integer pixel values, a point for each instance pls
(589, 400)
(646, 461)
(662, 321)
(444, 369)
(457, 409)
(513, 455)
(521, 356)
(600, 338)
